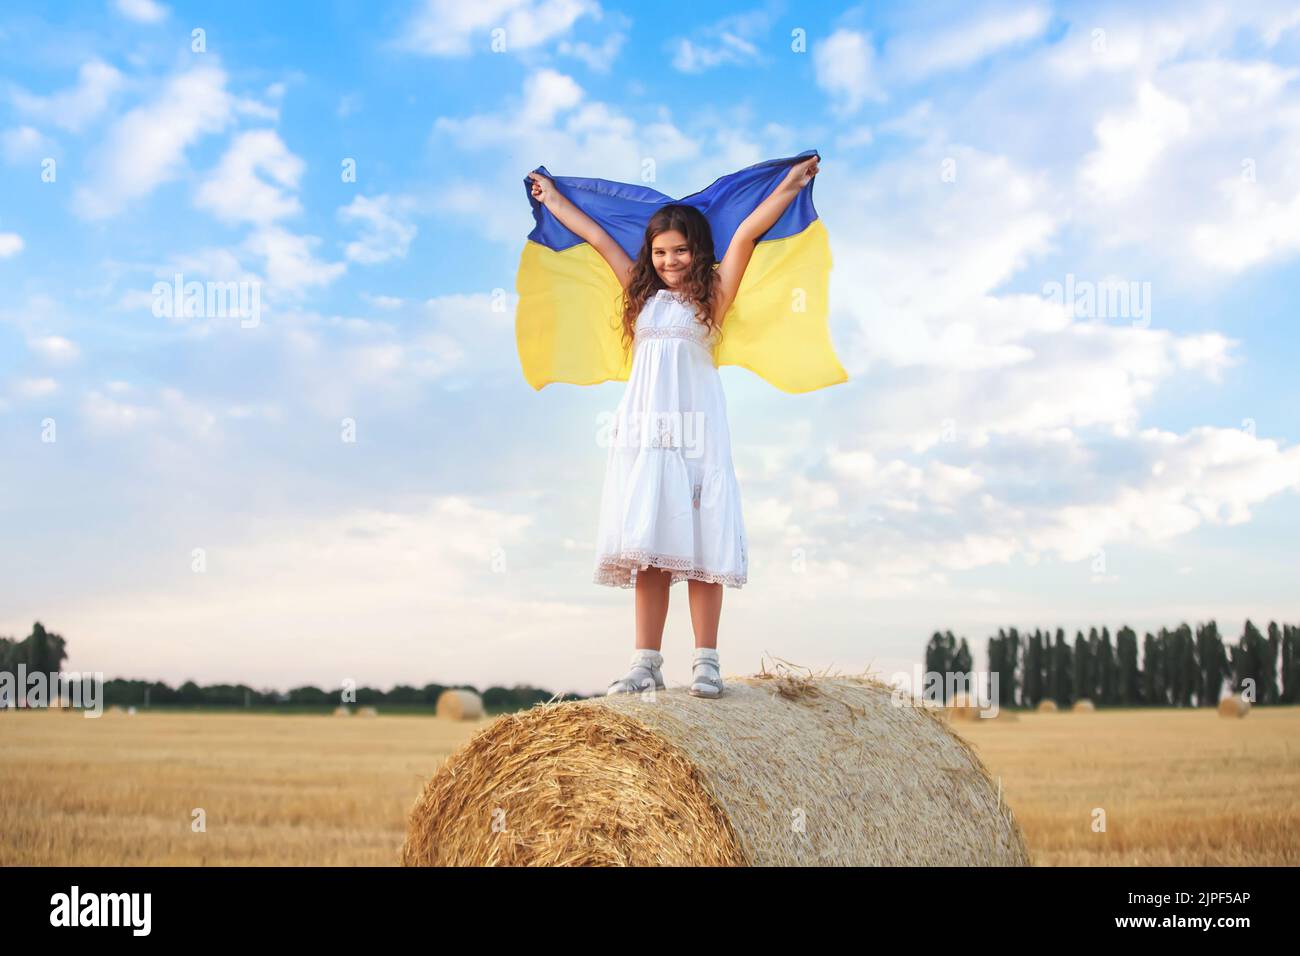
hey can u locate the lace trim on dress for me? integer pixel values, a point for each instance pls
(616, 570)
(672, 332)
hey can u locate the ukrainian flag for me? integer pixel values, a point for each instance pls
(568, 324)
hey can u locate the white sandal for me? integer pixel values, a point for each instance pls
(706, 678)
(644, 674)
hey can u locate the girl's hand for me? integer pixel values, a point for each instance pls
(543, 188)
(801, 174)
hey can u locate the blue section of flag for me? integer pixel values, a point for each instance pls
(624, 209)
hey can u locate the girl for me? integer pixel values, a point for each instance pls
(670, 507)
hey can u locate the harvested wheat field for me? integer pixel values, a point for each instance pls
(276, 790)
(1179, 787)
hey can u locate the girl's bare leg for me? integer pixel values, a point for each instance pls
(706, 609)
(651, 607)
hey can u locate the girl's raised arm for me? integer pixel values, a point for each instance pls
(582, 225)
(732, 268)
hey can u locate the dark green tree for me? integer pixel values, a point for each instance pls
(1273, 692)
(1213, 661)
(1290, 664)
(1249, 662)
(1033, 686)
(1153, 678)
(1062, 670)
(1126, 653)
(945, 657)
(1082, 667)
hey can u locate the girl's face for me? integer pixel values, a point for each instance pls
(671, 257)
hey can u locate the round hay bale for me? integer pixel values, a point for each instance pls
(368, 712)
(1083, 706)
(1047, 706)
(341, 711)
(455, 704)
(115, 709)
(1234, 706)
(826, 771)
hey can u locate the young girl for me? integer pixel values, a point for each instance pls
(670, 507)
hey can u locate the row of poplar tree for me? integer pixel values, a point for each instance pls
(1176, 668)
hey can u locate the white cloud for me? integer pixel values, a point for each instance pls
(848, 68)
(1140, 44)
(691, 57)
(453, 28)
(546, 94)
(1257, 229)
(1200, 168)
(21, 144)
(348, 104)
(162, 414)
(291, 266)
(387, 302)
(909, 520)
(599, 58)
(734, 39)
(844, 65)
(146, 147)
(54, 348)
(308, 584)
(913, 56)
(34, 387)
(10, 244)
(255, 182)
(73, 109)
(235, 192)
(1129, 144)
(384, 235)
(553, 118)
(106, 415)
(142, 11)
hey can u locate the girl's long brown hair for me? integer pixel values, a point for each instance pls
(698, 287)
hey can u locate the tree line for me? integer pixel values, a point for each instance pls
(45, 652)
(1175, 668)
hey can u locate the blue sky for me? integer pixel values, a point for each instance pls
(993, 460)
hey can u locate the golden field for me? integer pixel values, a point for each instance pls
(1183, 788)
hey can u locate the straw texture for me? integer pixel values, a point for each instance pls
(1083, 706)
(781, 770)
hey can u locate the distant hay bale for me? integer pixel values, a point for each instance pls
(1234, 706)
(1047, 706)
(368, 712)
(454, 704)
(1083, 706)
(852, 778)
(341, 711)
(960, 707)
(963, 707)
(115, 709)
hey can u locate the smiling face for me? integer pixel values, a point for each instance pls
(671, 257)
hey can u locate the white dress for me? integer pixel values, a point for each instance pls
(670, 498)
